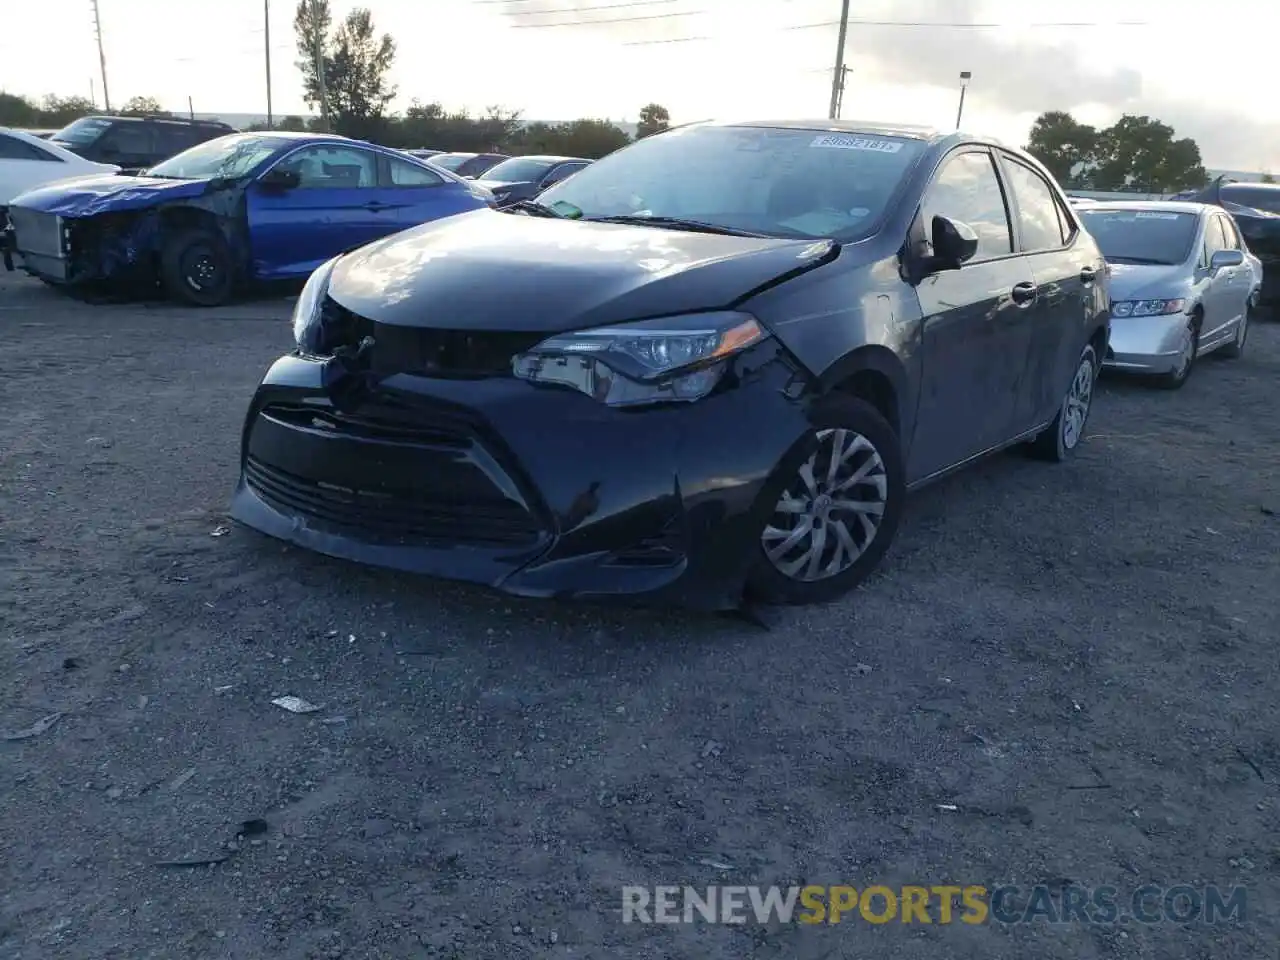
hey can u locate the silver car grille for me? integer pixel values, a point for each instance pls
(37, 232)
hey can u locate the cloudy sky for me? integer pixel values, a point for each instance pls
(560, 59)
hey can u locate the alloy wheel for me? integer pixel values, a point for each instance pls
(832, 510)
(1079, 397)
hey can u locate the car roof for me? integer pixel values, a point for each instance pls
(911, 131)
(547, 158)
(1155, 206)
(148, 118)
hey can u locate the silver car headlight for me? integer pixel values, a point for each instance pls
(1147, 308)
(651, 361)
(306, 312)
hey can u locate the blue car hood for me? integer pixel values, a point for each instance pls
(91, 196)
(1140, 281)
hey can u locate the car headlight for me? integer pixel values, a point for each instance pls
(650, 361)
(1147, 308)
(306, 312)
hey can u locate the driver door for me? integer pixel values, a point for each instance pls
(974, 338)
(335, 207)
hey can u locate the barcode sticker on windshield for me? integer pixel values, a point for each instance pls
(1158, 216)
(835, 141)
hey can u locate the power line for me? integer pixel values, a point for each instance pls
(972, 26)
(594, 23)
(591, 9)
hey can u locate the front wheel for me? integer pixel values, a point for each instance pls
(1060, 439)
(1188, 351)
(1235, 349)
(196, 268)
(840, 496)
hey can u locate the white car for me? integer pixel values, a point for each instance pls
(27, 162)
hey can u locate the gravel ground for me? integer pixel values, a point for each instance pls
(1063, 674)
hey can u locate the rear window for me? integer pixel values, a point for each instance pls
(82, 132)
(1258, 198)
(1141, 236)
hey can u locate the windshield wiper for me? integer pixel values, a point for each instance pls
(1142, 261)
(535, 208)
(678, 223)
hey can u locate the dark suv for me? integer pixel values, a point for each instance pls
(717, 357)
(135, 143)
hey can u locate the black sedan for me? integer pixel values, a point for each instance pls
(523, 178)
(468, 164)
(1255, 207)
(708, 367)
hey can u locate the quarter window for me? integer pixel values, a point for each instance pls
(411, 175)
(1039, 220)
(967, 189)
(332, 168)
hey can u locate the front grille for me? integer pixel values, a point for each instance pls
(394, 516)
(37, 232)
(429, 351)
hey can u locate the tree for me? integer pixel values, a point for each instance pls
(1268, 178)
(1063, 145)
(591, 139)
(355, 62)
(59, 111)
(292, 124)
(138, 106)
(18, 111)
(653, 119)
(1141, 154)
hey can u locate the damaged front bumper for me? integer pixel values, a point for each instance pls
(537, 492)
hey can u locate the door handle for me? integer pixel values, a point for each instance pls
(376, 205)
(1087, 275)
(1024, 294)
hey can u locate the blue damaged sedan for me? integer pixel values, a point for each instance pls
(241, 209)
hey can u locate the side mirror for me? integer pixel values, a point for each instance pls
(954, 244)
(277, 179)
(1225, 258)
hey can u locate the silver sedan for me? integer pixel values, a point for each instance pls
(1183, 284)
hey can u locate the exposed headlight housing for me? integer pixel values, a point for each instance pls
(1147, 308)
(672, 359)
(306, 312)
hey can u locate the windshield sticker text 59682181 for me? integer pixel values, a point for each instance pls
(836, 141)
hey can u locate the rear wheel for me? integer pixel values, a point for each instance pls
(1188, 351)
(196, 268)
(1235, 348)
(840, 499)
(1060, 439)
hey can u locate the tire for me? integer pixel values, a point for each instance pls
(1174, 379)
(1235, 349)
(1060, 439)
(872, 463)
(196, 268)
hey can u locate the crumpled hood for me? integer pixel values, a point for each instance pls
(1143, 281)
(499, 271)
(92, 195)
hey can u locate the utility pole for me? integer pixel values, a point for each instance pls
(191, 107)
(93, 94)
(324, 99)
(844, 76)
(102, 56)
(837, 75)
(266, 48)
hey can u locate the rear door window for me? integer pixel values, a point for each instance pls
(129, 140)
(11, 148)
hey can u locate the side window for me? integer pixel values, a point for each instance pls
(1039, 219)
(129, 139)
(967, 189)
(171, 140)
(1213, 239)
(1230, 237)
(561, 172)
(11, 148)
(329, 167)
(401, 174)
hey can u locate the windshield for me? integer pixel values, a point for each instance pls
(1258, 198)
(227, 157)
(781, 182)
(1143, 236)
(82, 132)
(451, 161)
(519, 170)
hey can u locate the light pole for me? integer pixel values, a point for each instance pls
(266, 49)
(965, 77)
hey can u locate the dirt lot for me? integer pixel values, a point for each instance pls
(1064, 674)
